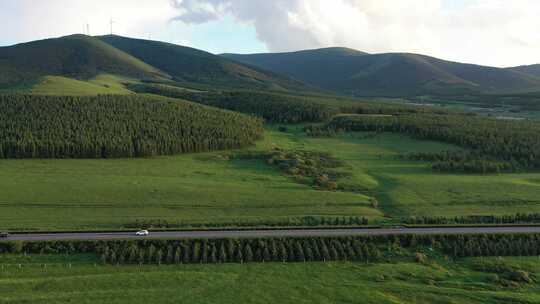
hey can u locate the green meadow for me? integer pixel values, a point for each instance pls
(213, 188)
(81, 279)
(101, 84)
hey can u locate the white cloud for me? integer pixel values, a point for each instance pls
(30, 19)
(492, 32)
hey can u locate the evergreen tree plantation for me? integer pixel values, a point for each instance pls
(109, 126)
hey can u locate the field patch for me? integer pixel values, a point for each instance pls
(437, 281)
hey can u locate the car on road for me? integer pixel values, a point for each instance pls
(4, 235)
(142, 233)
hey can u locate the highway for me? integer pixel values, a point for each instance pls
(215, 234)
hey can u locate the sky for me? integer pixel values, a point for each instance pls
(488, 32)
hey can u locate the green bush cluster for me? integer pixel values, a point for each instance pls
(318, 169)
(504, 274)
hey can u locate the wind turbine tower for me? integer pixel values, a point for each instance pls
(112, 22)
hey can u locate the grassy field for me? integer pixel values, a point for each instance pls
(82, 194)
(80, 279)
(102, 84)
(210, 188)
(408, 188)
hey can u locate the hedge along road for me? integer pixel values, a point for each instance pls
(224, 234)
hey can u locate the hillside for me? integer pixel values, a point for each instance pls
(533, 69)
(195, 66)
(77, 56)
(392, 74)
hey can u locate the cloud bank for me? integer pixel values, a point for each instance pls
(491, 32)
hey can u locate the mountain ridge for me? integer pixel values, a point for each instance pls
(83, 57)
(390, 74)
(194, 65)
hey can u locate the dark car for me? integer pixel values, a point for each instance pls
(3, 235)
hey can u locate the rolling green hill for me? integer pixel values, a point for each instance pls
(77, 56)
(195, 66)
(393, 74)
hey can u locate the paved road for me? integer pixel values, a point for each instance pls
(270, 233)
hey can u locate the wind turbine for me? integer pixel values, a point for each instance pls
(112, 22)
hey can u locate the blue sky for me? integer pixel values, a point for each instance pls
(489, 32)
(222, 36)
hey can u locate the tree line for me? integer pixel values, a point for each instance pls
(366, 249)
(304, 221)
(513, 144)
(272, 107)
(281, 108)
(519, 218)
(110, 126)
(209, 251)
(492, 245)
(463, 161)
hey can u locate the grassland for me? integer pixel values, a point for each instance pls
(80, 279)
(67, 194)
(101, 84)
(211, 188)
(408, 188)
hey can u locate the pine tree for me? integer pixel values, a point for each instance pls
(112, 257)
(150, 255)
(159, 257)
(169, 259)
(104, 257)
(248, 253)
(178, 255)
(222, 256)
(334, 256)
(239, 256)
(299, 252)
(141, 258)
(196, 253)
(283, 255)
(186, 254)
(213, 254)
(325, 252)
(133, 254)
(266, 255)
(309, 254)
(204, 252)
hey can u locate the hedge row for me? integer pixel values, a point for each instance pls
(362, 249)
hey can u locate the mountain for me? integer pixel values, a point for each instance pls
(391, 74)
(81, 57)
(533, 70)
(316, 67)
(77, 56)
(191, 65)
